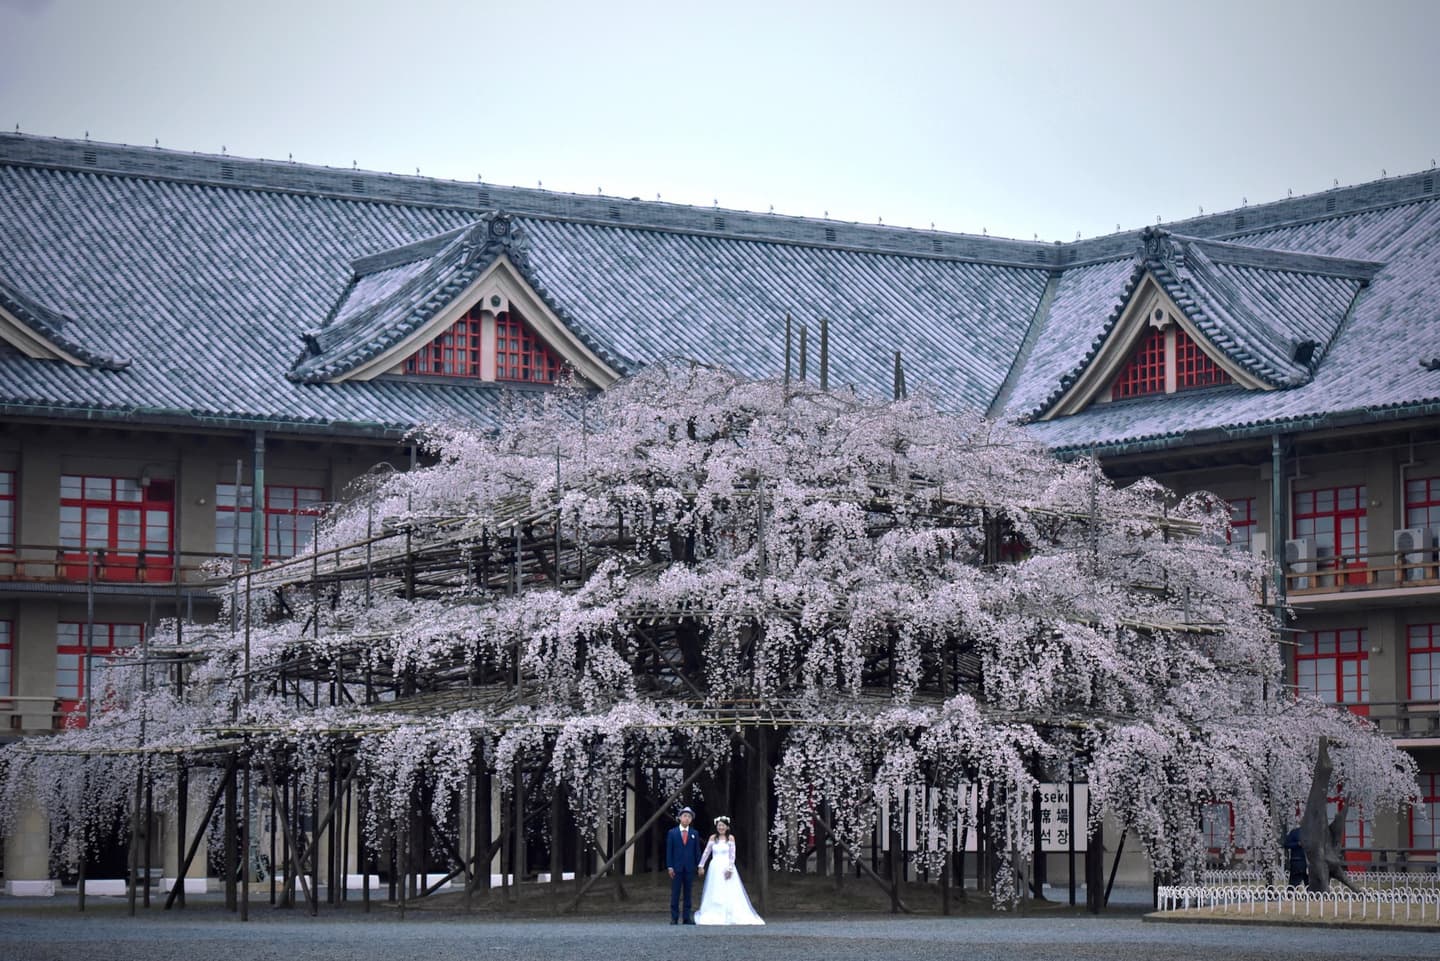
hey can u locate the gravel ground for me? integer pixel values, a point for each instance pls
(30, 931)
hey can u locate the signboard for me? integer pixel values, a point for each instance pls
(1055, 827)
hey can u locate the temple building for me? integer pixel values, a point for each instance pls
(198, 353)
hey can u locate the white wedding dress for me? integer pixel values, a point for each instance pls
(724, 900)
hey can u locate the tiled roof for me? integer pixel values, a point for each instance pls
(1271, 312)
(214, 274)
(1371, 370)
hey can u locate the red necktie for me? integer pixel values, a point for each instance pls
(684, 836)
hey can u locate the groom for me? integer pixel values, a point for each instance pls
(682, 858)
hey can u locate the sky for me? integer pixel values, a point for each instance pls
(1027, 119)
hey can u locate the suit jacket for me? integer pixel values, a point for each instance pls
(683, 858)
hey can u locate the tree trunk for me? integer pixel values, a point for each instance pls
(1320, 837)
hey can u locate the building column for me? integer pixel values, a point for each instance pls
(27, 857)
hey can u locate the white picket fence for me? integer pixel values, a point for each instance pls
(1362, 879)
(1420, 902)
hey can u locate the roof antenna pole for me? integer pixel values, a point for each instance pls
(787, 350)
(804, 338)
(824, 354)
(899, 377)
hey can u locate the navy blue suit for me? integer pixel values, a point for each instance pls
(682, 857)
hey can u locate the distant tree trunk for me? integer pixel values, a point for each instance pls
(1319, 836)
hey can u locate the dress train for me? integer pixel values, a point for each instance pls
(724, 900)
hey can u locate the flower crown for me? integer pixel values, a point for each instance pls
(723, 818)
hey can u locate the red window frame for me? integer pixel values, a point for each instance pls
(1144, 372)
(7, 510)
(1335, 666)
(7, 658)
(1355, 836)
(1422, 644)
(1422, 502)
(455, 353)
(1336, 518)
(1211, 826)
(290, 516)
(1425, 833)
(1194, 367)
(70, 653)
(520, 355)
(129, 522)
(1242, 521)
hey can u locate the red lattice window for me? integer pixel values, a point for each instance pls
(116, 528)
(1335, 517)
(1425, 831)
(73, 647)
(455, 353)
(1335, 667)
(1217, 823)
(1422, 502)
(1145, 371)
(290, 515)
(7, 510)
(1193, 367)
(520, 355)
(1423, 643)
(1242, 521)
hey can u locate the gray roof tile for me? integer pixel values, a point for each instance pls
(207, 271)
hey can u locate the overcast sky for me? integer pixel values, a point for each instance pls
(1018, 118)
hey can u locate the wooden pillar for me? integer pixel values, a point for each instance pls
(182, 811)
(759, 818)
(1095, 870)
(231, 837)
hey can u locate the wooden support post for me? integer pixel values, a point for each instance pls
(149, 828)
(1095, 870)
(182, 812)
(178, 891)
(1114, 869)
(556, 864)
(364, 856)
(232, 823)
(134, 852)
(639, 833)
(760, 781)
(517, 826)
(1070, 834)
(897, 904)
(483, 827)
(245, 839)
(82, 862)
(1037, 850)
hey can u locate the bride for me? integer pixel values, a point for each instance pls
(724, 900)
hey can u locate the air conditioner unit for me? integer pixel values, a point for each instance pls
(1301, 554)
(1415, 548)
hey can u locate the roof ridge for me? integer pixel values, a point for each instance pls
(1271, 258)
(245, 173)
(224, 170)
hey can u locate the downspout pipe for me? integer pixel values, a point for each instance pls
(1279, 529)
(257, 501)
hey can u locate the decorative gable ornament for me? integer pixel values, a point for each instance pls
(1202, 313)
(456, 291)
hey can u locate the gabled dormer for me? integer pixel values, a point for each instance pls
(459, 307)
(1207, 314)
(43, 333)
